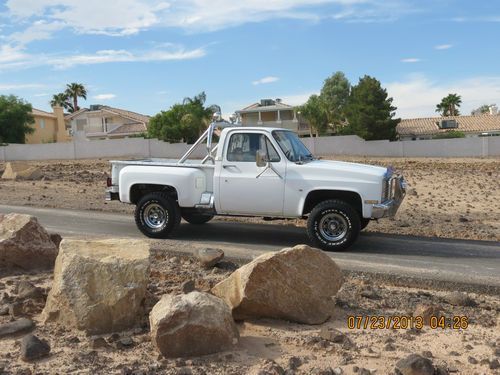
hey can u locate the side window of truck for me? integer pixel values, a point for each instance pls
(244, 147)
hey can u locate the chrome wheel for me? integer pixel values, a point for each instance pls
(333, 227)
(155, 216)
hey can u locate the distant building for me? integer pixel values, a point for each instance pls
(273, 113)
(428, 128)
(49, 127)
(103, 122)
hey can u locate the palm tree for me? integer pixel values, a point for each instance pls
(449, 105)
(75, 91)
(61, 100)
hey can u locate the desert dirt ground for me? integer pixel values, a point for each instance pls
(269, 346)
(449, 198)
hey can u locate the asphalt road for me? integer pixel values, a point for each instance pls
(448, 261)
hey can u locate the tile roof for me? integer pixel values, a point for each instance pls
(134, 116)
(39, 112)
(256, 107)
(127, 114)
(466, 124)
(129, 129)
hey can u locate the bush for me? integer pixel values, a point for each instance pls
(450, 134)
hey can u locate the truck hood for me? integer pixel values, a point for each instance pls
(345, 168)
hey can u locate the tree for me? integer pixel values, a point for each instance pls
(61, 100)
(183, 122)
(334, 95)
(15, 119)
(484, 109)
(314, 112)
(369, 111)
(75, 91)
(449, 105)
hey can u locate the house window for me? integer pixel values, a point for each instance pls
(42, 123)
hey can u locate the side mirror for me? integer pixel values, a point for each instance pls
(261, 158)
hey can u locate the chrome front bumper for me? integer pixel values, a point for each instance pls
(396, 191)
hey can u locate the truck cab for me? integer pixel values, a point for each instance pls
(258, 171)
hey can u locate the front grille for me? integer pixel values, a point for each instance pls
(385, 190)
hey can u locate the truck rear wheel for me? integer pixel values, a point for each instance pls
(157, 215)
(333, 225)
(196, 218)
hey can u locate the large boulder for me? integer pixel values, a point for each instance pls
(192, 324)
(296, 284)
(25, 243)
(21, 171)
(99, 286)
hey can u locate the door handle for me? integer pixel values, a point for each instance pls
(229, 166)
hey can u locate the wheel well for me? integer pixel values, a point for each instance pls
(317, 196)
(139, 190)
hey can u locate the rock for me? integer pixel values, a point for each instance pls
(209, 257)
(321, 371)
(473, 361)
(426, 311)
(337, 371)
(32, 348)
(460, 299)
(124, 342)
(56, 238)
(414, 365)
(25, 243)
(270, 367)
(191, 325)
(26, 290)
(332, 334)
(427, 354)
(187, 286)
(4, 310)
(294, 363)
(98, 343)
(99, 286)
(494, 364)
(21, 171)
(16, 309)
(389, 347)
(370, 293)
(16, 327)
(296, 284)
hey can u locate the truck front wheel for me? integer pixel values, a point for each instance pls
(157, 215)
(333, 225)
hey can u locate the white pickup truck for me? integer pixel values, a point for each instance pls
(257, 171)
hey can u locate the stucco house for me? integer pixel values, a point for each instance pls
(49, 127)
(104, 122)
(428, 128)
(273, 113)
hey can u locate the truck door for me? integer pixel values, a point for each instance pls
(245, 188)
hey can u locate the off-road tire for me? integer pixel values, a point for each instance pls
(164, 205)
(335, 212)
(196, 218)
(364, 222)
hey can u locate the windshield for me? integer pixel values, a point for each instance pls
(291, 146)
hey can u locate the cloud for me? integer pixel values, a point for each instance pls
(19, 86)
(411, 60)
(443, 46)
(418, 95)
(268, 79)
(104, 97)
(133, 16)
(20, 60)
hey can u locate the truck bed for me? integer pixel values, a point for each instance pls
(164, 163)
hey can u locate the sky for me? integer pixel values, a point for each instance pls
(146, 55)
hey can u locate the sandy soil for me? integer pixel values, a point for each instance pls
(450, 198)
(268, 345)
